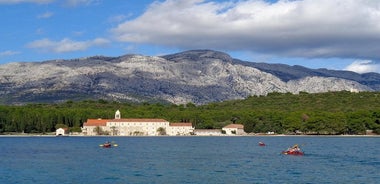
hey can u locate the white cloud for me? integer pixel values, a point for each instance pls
(363, 66)
(117, 18)
(45, 15)
(8, 53)
(302, 28)
(66, 45)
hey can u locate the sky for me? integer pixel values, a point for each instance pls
(332, 34)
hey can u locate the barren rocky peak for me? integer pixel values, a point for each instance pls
(197, 76)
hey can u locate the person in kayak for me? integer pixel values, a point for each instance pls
(107, 144)
(294, 148)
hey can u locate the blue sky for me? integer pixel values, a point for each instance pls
(333, 34)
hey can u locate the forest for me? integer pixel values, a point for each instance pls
(330, 113)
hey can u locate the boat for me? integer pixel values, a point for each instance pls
(291, 152)
(261, 144)
(294, 150)
(106, 145)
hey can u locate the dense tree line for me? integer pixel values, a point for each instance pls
(304, 113)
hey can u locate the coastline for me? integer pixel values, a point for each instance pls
(247, 135)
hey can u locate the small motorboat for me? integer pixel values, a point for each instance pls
(261, 144)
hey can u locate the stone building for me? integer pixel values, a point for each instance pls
(61, 132)
(135, 127)
(237, 129)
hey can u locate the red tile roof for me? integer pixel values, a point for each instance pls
(103, 122)
(137, 120)
(96, 122)
(234, 126)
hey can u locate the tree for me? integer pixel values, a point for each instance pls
(98, 130)
(161, 131)
(324, 113)
(75, 129)
(234, 119)
(60, 125)
(113, 130)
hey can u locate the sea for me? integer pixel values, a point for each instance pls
(189, 159)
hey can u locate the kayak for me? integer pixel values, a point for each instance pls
(106, 145)
(288, 152)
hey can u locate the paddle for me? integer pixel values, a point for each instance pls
(114, 144)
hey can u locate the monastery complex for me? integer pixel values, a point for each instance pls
(148, 127)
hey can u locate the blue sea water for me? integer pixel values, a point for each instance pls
(189, 160)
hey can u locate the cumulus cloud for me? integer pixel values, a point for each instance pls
(302, 28)
(66, 45)
(364, 66)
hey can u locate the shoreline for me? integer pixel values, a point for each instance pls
(248, 135)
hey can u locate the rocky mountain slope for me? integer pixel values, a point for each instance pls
(197, 76)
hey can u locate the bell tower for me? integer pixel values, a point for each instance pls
(117, 114)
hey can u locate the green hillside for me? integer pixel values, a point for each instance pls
(322, 113)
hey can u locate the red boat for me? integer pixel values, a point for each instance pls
(294, 150)
(261, 144)
(290, 152)
(106, 145)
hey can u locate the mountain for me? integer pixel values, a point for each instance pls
(197, 76)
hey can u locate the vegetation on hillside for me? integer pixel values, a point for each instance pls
(304, 113)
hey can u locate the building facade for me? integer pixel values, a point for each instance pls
(180, 129)
(135, 127)
(208, 132)
(231, 129)
(61, 132)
